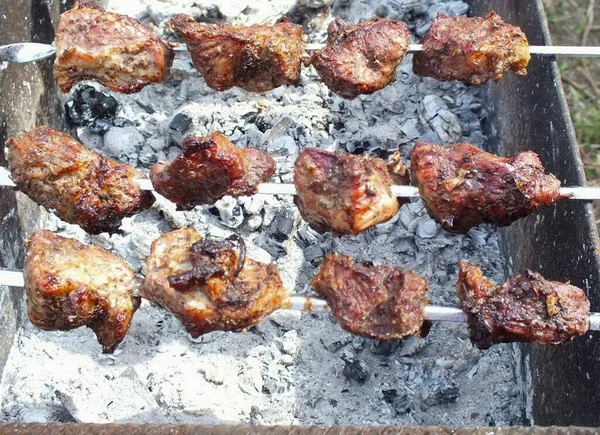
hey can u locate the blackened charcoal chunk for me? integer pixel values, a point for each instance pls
(313, 253)
(99, 125)
(442, 392)
(384, 347)
(86, 104)
(178, 127)
(402, 404)
(282, 226)
(122, 122)
(355, 369)
(389, 396)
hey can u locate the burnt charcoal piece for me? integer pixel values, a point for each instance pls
(210, 285)
(361, 58)
(255, 58)
(526, 308)
(356, 369)
(87, 106)
(69, 285)
(113, 49)
(472, 49)
(382, 302)
(343, 193)
(210, 168)
(463, 186)
(80, 186)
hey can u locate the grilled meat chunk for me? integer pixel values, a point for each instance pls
(113, 49)
(210, 285)
(463, 186)
(472, 49)
(69, 284)
(343, 193)
(80, 186)
(361, 58)
(255, 58)
(210, 168)
(383, 302)
(526, 308)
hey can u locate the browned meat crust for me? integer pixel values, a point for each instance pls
(210, 168)
(115, 50)
(255, 58)
(361, 58)
(210, 286)
(383, 302)
(472, 49)
(343, 193)
(526, 308)
(80, 186)
(69, 284)
(463, 186)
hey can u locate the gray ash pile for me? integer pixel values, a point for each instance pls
(293, 368)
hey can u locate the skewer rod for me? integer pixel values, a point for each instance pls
(31, 52)
(14, 278)
(542, 50)
(580, 193)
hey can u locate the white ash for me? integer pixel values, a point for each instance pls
(293, 368)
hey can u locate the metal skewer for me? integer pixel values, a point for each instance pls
(30, 52)
(14, 278)
(578, 193)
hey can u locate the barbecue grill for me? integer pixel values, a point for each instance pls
(523, 114)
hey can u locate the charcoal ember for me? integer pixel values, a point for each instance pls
(179, 126)
(91, 140)
(411, 346)
(435, 114)
(86, 105)
(359, 343)
(355, 369)
(99, 125)
(402, 404)
(119, 121)
(122, 142)
(230, 212)
(316, 4)
(427, 228)
(278, 233)
(282, 226)
(335, 345)
(442, 392)
(384, 347)
(389, 396)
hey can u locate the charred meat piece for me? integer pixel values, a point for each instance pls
(69, 284)
(343, 193)
(361, 58)
(382, 302)
(472, 49)
(210, 285)
(210, 168)
(80, 186)
(463, 186)
(255, 58)
(526, 308)
(113, 49)
(398, 170)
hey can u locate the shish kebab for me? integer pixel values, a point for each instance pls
(125, 56)
(211, 285)
(461, 185)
